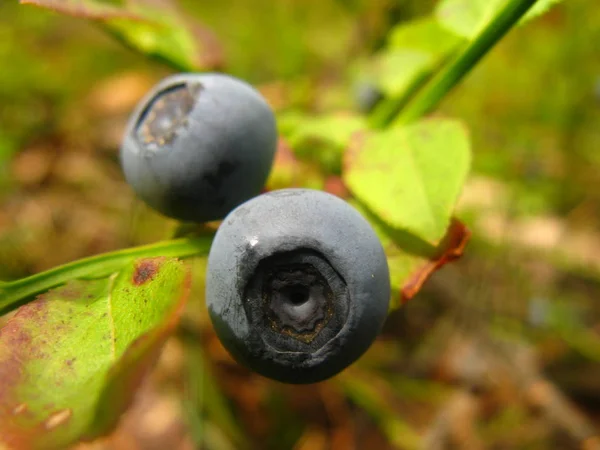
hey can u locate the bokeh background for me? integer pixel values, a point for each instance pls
(499, 350)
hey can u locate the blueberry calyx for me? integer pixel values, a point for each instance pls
(167, 114)
(298, 295)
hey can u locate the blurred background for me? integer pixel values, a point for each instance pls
(499, 350)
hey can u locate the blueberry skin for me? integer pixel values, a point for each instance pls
(367, 96)
(198, 145)
(297, 285)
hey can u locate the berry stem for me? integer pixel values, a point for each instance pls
(427, 98)
(15, 293)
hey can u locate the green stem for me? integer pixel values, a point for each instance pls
(433, 92)
(14, 293)
(387, 110)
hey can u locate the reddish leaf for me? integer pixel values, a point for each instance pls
(412, 260)
(71, 360)
(156, 28)
(450, 249)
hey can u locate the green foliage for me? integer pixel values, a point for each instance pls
(414, 50)
(70, 360)
(168, 41)
(321, 138)
(412, 260)
(399, 69)
(411, 177)
(91, 338)
(425, 35)
(12, 293)
(158, 32)
(467, 17)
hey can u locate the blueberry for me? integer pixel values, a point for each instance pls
(367, 96)
(297, 285)
(198, 145)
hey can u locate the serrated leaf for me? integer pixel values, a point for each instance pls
(71, 360)
(157, 30)
(411, 177)
(467, 17)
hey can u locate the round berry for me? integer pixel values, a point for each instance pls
(297, 285)
(198, 145)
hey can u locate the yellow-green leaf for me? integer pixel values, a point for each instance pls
(71, 360)
(467, 17)
(411, 177)
(156, 29)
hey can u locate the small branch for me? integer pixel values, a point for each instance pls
(15, 293)
(433, 92)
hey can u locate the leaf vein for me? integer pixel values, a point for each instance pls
(111, 321)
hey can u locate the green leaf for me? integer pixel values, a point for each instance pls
(71, 360)
(411, 177)
(157, 30)
(397, 70)
(467, 17)
(336, 129)
(411, 260)
(167, 41)
(14, 293)
(425, 99)
(425, 35)
(415, 50)
(321, 138)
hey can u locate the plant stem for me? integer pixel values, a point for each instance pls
(433, 92)
(14, 293)
(387, 110)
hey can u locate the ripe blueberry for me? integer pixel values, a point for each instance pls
(367, 96)
(198, 145)
(297, 285)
